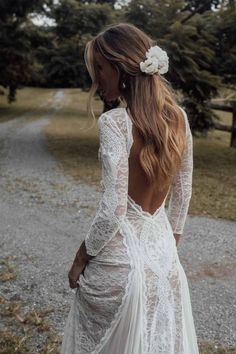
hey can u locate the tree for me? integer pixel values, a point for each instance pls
(191, 50)
(201, 6)
(110, 2)
(76, 23)
(223, 27)
(16, 45)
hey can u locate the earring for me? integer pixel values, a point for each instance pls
(123, 85)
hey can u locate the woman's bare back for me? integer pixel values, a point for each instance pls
(139, 190)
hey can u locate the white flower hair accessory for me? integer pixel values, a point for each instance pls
(157, 61)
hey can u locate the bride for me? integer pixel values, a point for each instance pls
(132, 294)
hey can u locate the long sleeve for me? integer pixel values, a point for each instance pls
(181, 188)
(114, 162)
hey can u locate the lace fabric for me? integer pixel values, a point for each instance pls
(181, 188)
(115, 142)
(133, 295)
(114, 184)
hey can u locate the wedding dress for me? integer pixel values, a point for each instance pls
(133, 297)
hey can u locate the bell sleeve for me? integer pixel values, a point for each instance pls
(181, 187)
(114, 184)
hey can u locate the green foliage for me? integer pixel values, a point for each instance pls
(223, 25)
(64, 59)
(17, 10)
(74, 18)
(111, 2)
(16, 45)
(66, 68)
(201, 5)
(200, 43)
(191, 48)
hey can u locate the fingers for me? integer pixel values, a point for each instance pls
(72, 280)
(74, 274)
(73, 283)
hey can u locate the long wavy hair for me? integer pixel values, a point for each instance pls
(150, 99)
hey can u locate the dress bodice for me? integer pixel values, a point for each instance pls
(116, 139)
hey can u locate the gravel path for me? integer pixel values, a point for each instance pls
(45, 215)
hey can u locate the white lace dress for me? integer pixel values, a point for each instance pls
(133, 297)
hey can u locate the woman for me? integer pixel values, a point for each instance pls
(132, 294)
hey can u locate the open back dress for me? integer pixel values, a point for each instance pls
(133, 296)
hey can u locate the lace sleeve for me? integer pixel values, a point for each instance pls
(181, 188)
(113, 204)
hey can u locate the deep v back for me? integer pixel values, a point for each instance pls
(140, 194)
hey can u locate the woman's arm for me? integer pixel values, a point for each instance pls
(113, 204)
(181, 188)
(177, 238)
(78, 265)
(114, 158)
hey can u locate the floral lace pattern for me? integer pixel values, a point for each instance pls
(133, 294)
(181, 188)
(114, 184)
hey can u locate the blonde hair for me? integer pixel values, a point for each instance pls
(149, 98)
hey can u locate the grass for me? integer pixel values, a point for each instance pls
(214, 182)
(214, 161)
(30, 102)
(11, 343)
(7, 270)
(214, 348)
(22, 327)
(73, 139)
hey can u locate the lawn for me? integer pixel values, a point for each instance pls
(214, 182)
(30, 101)
(72, 138)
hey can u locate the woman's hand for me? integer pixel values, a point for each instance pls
(177, 238)
(74, 273)
(78, 266)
